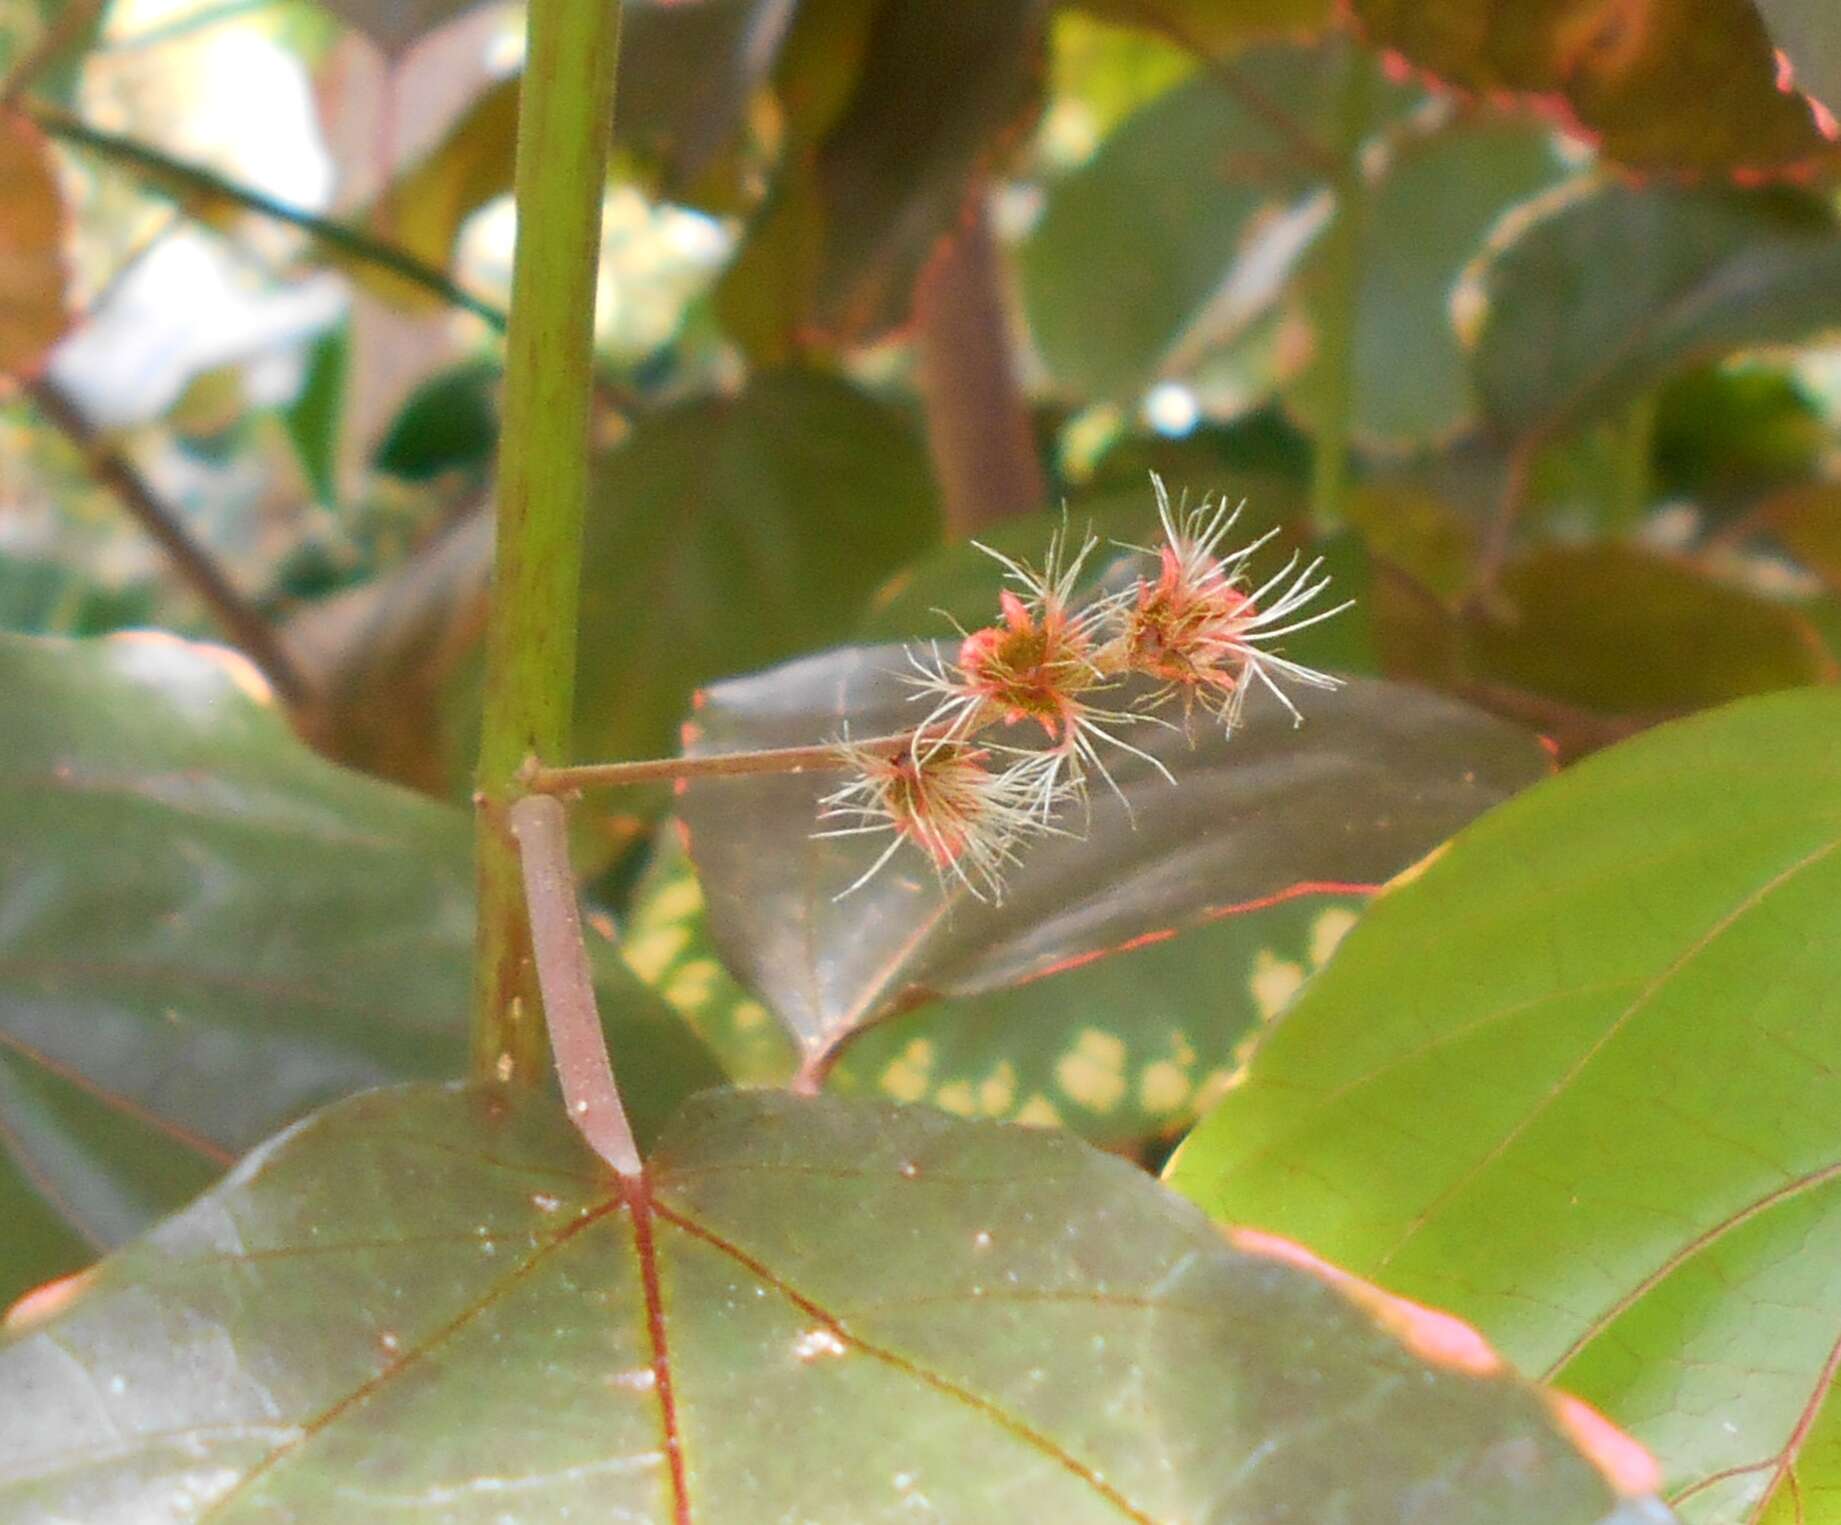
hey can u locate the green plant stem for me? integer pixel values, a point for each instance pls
(654, 770)
(180, 180)
(566, 104)
(1340, 305)
(1630, 481)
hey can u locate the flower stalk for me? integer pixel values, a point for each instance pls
(1029, 708)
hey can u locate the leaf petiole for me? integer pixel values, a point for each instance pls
(539, 825)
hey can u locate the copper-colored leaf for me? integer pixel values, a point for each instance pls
(33, 311)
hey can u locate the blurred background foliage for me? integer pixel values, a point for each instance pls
(1525, 315)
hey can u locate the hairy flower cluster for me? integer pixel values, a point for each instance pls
(1199, 629)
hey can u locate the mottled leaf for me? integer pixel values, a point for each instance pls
(206, 930)
(1124, 1050)
(728, 532)
(1572, 327)
(432, 1305)
(1378, 776)
(33, 298)
(1580, 1081)
(1661, 84)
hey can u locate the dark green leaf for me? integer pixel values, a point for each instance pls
(313, 418)
(449, 423)
(1134, 242)
(1426, 220)
(955, 582)
(1620, 630)
(383, 660)
(1663, 84)
(1725, 432)
(730, 532)
(431, 1305)
(892, 118)
(1378, 776)
(206, 930)
(686, 75)
(1580, 1082)
(1574, 328)
(1614, 630)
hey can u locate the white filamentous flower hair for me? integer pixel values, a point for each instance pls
(1199, 628)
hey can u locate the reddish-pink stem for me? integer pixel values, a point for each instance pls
(540, 826)
(827, 755)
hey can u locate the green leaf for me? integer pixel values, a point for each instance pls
(448, 423)
(725, 533)
(1662, 84)
(1213, 27)
(1378, 776)
(206, 930)
(1725, 433)
(1572, 328)
(1613, 628)
(314, 417)
(432, 1305)
(1133, 243)
(956, 581)
(664, 939)
(1124, 1050)
(687, 73)
(1427, 216)
(892, 120)
(1616, 630)
(1099, 73)
(1809, 41)
(384, 661)
(1579, 1081)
